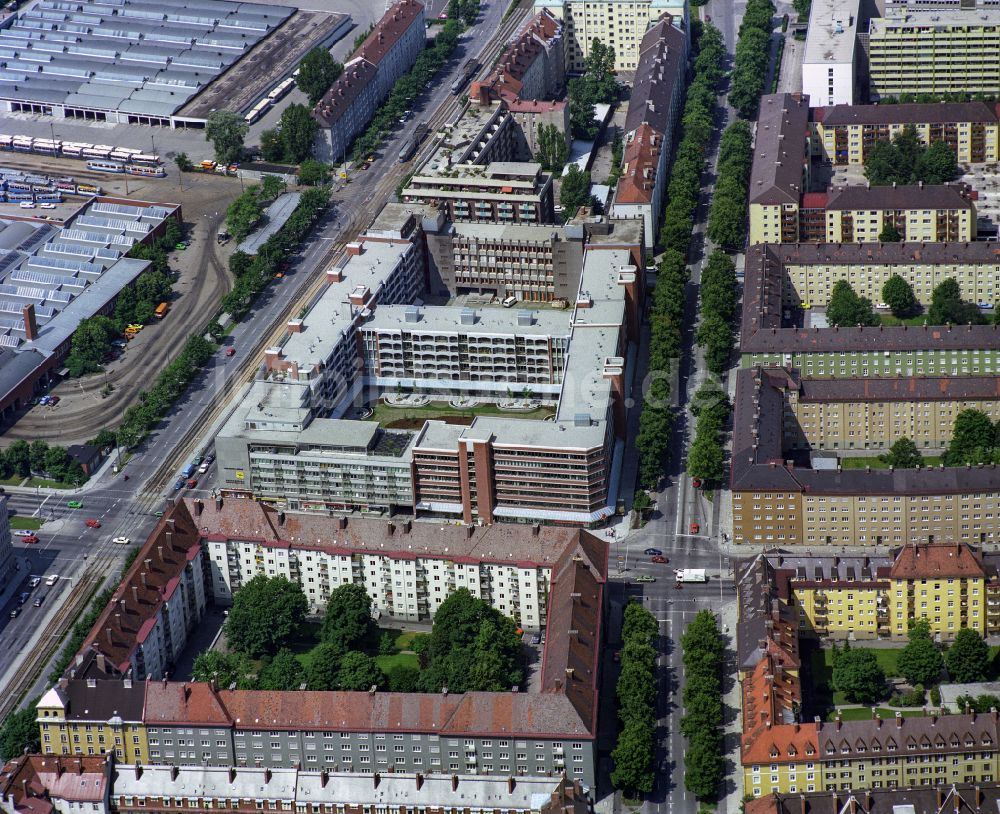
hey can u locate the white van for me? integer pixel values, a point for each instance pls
(509, 302)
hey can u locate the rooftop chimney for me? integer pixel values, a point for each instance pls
(30, 323)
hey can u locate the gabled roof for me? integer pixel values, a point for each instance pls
(779, 153)
(640, 161)
(358, 73)
(170, 702)
(937, 561)
(534, 40)
(931, 113)
(32, 782)
(782, 743)
(389, 30)
(660, 68)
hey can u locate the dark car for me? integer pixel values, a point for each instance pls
(39, 600)
(652, 552)
(15, 612)
(24, 597)
(178, 484)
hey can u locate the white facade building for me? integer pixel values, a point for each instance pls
(828, 65)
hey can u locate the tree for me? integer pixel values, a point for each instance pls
(972, 439)
(215, 330)
(348, 616)
(284, 672)
(271, 145)
(920, 661)
(898, 294)
(18, 458)
(636, 691)
(948, 307)
(183, 162)
(360, 672)
(847, 309)
(857, 674)
(937, 165)
(581, 110)
(313, 172)
(317, 72)
(91, 342)
(403, 678)
(903, 454)
(265, 613)
(968, 657)
(243, 214)
(20, 733)
(638, 624)
(703, 766)
(552, 149)
(575, 191)
(271, 186)
(298, 132)
(889, 233)
(226, 130)
(633, 758)
(715, 334)
(239, 263)
(705, 459)
(598, 72)
(225, 669)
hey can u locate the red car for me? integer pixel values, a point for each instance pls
(53, 401)
(93, 524)
(230, 351)
(192, 482)
(695, 528)
(696, 483)
(29, 539)
(660, 560)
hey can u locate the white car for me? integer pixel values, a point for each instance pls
(27, 205)
(121, 541)
(52, 580)
(35, 582)
(21, 533)
(47, 205)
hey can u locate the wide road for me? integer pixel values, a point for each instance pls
(86, 558)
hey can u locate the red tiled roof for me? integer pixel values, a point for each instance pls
(145, 587)
(770, 693)
(505, 79)
(33, 781)
(782, 743)
(189, 702)
(389, 30)
(936, 561)
(815, 200)
(642, 154)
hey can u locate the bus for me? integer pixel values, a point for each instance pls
(71, 150)
(257, 111)
(106, 166)
(161, 310)
(146, 172)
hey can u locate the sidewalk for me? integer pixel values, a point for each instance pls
(732, 796)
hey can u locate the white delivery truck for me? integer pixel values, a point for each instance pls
(691, 575)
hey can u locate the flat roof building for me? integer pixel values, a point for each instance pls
(829, 63)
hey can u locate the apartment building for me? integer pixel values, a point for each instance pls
(844, 134)
(500, 192)
(618, 23)
(653, 109)
(528, 262)
(533, 67)
(829, 63)
(940, 50)
(874, 413)
(94, 715)
(769, 337)
(784, 210)
(931, 798)
(780, 501)
(459, 349)
(549, 728)
(387, 53)
(807, 272)
(44, 785)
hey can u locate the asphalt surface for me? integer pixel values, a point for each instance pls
(127, 508)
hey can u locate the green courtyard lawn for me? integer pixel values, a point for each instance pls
(864, 713)
(28, 523)
(414, 417)
(386, 663)
(821, 665)
(890, 321)
(305, 644)
(875, 463)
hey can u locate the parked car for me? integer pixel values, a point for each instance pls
(53, 401)
(44, 400)
(696, 483)
(695, 528)
(230, 351)
(30, 539)
(35, 582)
(15, 612)
(52, 579)
(24, 597)
(652, 552)
(47, 205)
(20, 532)
(191, 483)
(93, 523)
(178, 485)
(39, 600)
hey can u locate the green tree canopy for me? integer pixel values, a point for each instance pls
(633, 758)
(968, 657)
(324, 667)
(903, 454)
(91, 341)
(920, 661)
(948, 307)
(898, 294)
(348, 616)
(19, 732)
(857, 674)
(937, 165)
(225, 669)
(298, 132)
(284, 672)
(552, 149)
(403, 678)
(313, 172)
(317, 72)
(703, 765)
(889, 233)
(359, 672)
(973, 439)
(266, 612)
(847, 309)
(226, 130)
(575, 190)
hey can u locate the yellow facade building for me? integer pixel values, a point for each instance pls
(94, 717)
(844, 134)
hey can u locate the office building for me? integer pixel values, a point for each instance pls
(387, 53)
(653, 109)
(618, 23)
(784, 210)
(500, 192)
(936, 51)
(829, 69)
(43, 785)
(844, 134)
(780, 499)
